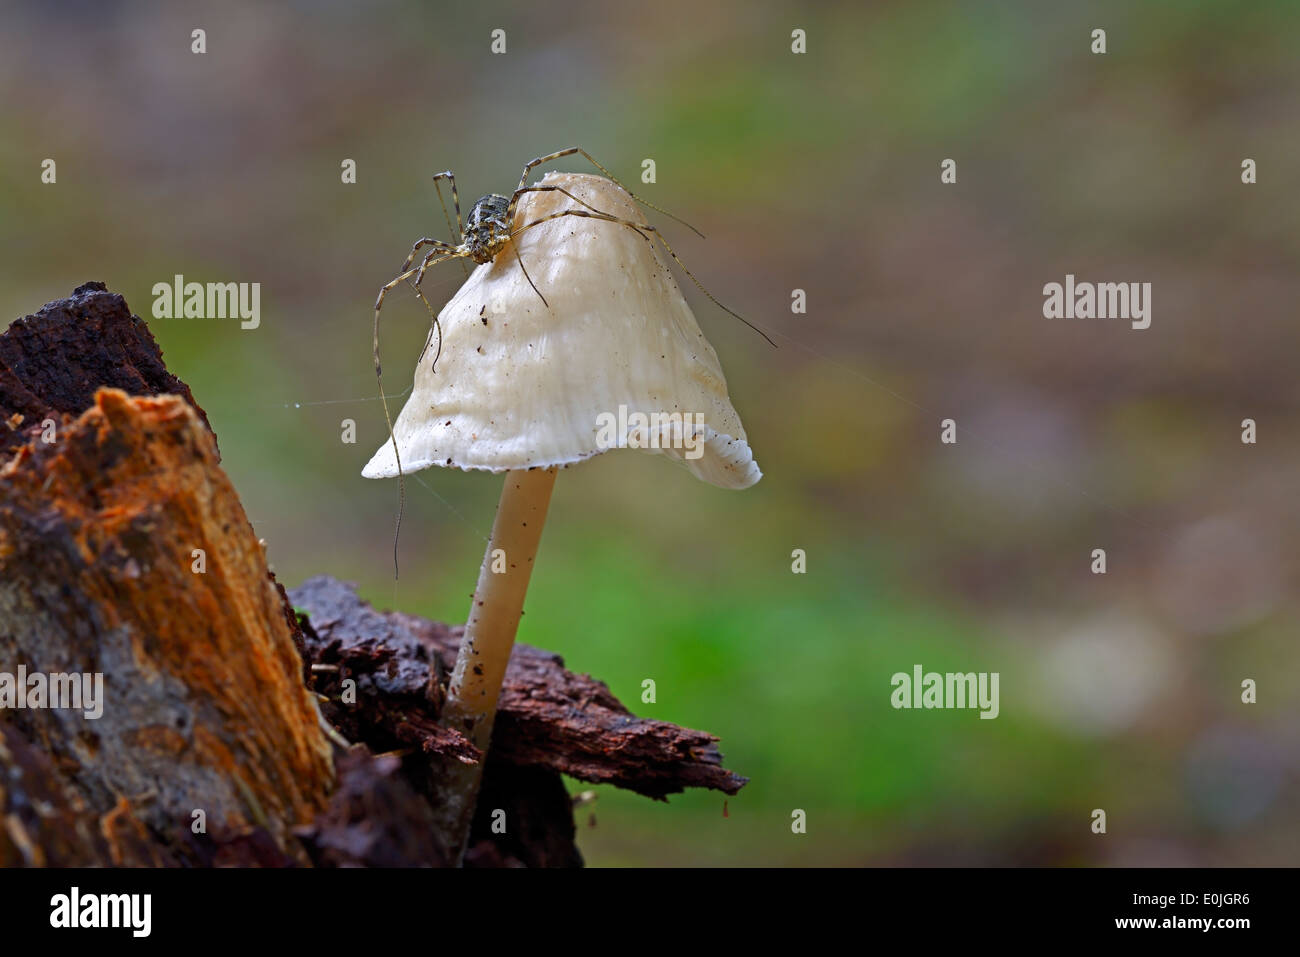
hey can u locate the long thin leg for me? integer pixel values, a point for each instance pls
(434, 326)
(455, 198)
(554, 189)
(388, 418)
(533, 164)
(543, 189)
(431, 260)
(510, 216)
(528, 277)
(459, 234)
(440, 254)
(438, 247)
(641, 230)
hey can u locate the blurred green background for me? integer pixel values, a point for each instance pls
(821, 172)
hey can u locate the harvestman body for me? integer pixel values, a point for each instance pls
(485, 233)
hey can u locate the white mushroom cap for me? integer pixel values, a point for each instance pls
(618, 359)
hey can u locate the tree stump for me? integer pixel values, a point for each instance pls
(124, 552)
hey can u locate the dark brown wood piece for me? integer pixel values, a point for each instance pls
(549, 717)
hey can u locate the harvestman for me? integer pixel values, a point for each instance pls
(484, 234)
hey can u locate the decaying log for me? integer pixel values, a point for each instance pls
(396, 704)
(548, 717)
(44, 823)
(374, 819)
(52, 363)
(124, 551)
(207, 669)
(537, 805)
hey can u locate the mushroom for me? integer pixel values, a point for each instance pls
(612, 359)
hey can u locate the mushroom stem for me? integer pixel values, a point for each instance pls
(495, 610)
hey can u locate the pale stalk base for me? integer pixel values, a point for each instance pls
(494, 614)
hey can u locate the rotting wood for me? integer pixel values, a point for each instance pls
(97, 531)
(549, 717)
(52, 363)
(124, 551)
(44, 823)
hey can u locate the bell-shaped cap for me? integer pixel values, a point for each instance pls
(616, 361)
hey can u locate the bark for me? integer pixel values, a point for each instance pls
(52, 362)
(537, 811)
(374, 819)
(203, 702)
(548, 716)
(211, 679)
(45, 823)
